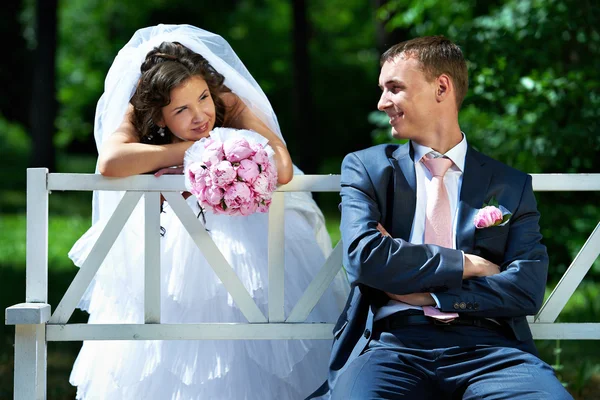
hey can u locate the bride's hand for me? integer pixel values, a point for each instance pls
(169, 171)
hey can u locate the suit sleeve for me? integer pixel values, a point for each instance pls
(519, 289)
(384, 263)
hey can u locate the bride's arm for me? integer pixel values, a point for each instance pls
(243, 118)
(123, 155)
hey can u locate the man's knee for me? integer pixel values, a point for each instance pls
(381, 375)
(528, 384)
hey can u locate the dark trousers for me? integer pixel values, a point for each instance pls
(431, 361)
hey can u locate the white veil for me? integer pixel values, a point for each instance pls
(120, 85)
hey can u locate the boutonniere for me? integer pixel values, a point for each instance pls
(491, 214)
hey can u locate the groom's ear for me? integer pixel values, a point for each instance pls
(443, 87)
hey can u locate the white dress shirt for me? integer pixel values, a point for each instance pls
(453, 182)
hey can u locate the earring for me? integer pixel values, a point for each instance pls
(161, 131)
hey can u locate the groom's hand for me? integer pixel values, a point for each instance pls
(381, 229)
(414, 299)
(475, 266)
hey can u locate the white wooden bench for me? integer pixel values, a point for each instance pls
(35, 325)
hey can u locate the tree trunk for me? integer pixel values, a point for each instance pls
(43, 103)
(306, 154)
(386, 39)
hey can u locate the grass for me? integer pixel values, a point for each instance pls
(69, 219)
(333, 229)
(63, 231)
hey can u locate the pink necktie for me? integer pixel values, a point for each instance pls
(438, 221)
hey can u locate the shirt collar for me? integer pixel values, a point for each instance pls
(457, 154)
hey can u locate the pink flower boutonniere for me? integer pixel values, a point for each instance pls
(491, 214)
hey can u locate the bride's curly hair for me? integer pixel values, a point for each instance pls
(165, 68)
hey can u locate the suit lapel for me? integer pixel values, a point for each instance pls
(405, 197)
(476, 179)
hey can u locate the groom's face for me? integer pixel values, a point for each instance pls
(408, 98)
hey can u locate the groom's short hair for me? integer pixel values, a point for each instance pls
(437, 55)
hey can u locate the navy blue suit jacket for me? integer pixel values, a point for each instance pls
(378, 185)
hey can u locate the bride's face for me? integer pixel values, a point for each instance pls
(191, 113)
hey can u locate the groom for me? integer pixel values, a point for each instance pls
(440, 285)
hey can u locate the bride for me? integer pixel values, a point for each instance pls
(168, 87)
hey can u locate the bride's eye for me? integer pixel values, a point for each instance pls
(180, 110)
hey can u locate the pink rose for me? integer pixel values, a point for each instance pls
(237, 149)
(263, 207)
(218, 208)
(488, 216)
(237, 194)
(249, 207)
(212, 195)
(271, 173)
(260, 156)
(262, 186)
(197, 177)
(222, 173)
(248, 171)
(213, 154)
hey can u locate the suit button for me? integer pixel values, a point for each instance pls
(456, 306)
(367, 333)
(463, 305)
(469, 306)
(475, 306)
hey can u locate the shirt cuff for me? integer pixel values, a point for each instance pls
(437, 302)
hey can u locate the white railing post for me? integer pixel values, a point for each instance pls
(30, 359)
(152, 258)
(30, 340)
(30, 349)
(276, 257)
(37, 236)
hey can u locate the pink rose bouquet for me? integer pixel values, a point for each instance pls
(231, 172)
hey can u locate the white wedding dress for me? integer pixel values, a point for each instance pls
(191, 291)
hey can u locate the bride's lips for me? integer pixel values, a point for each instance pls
(202, 128)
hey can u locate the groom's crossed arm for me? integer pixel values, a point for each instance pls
(396, 266)
(390, 265)
(519, 289)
